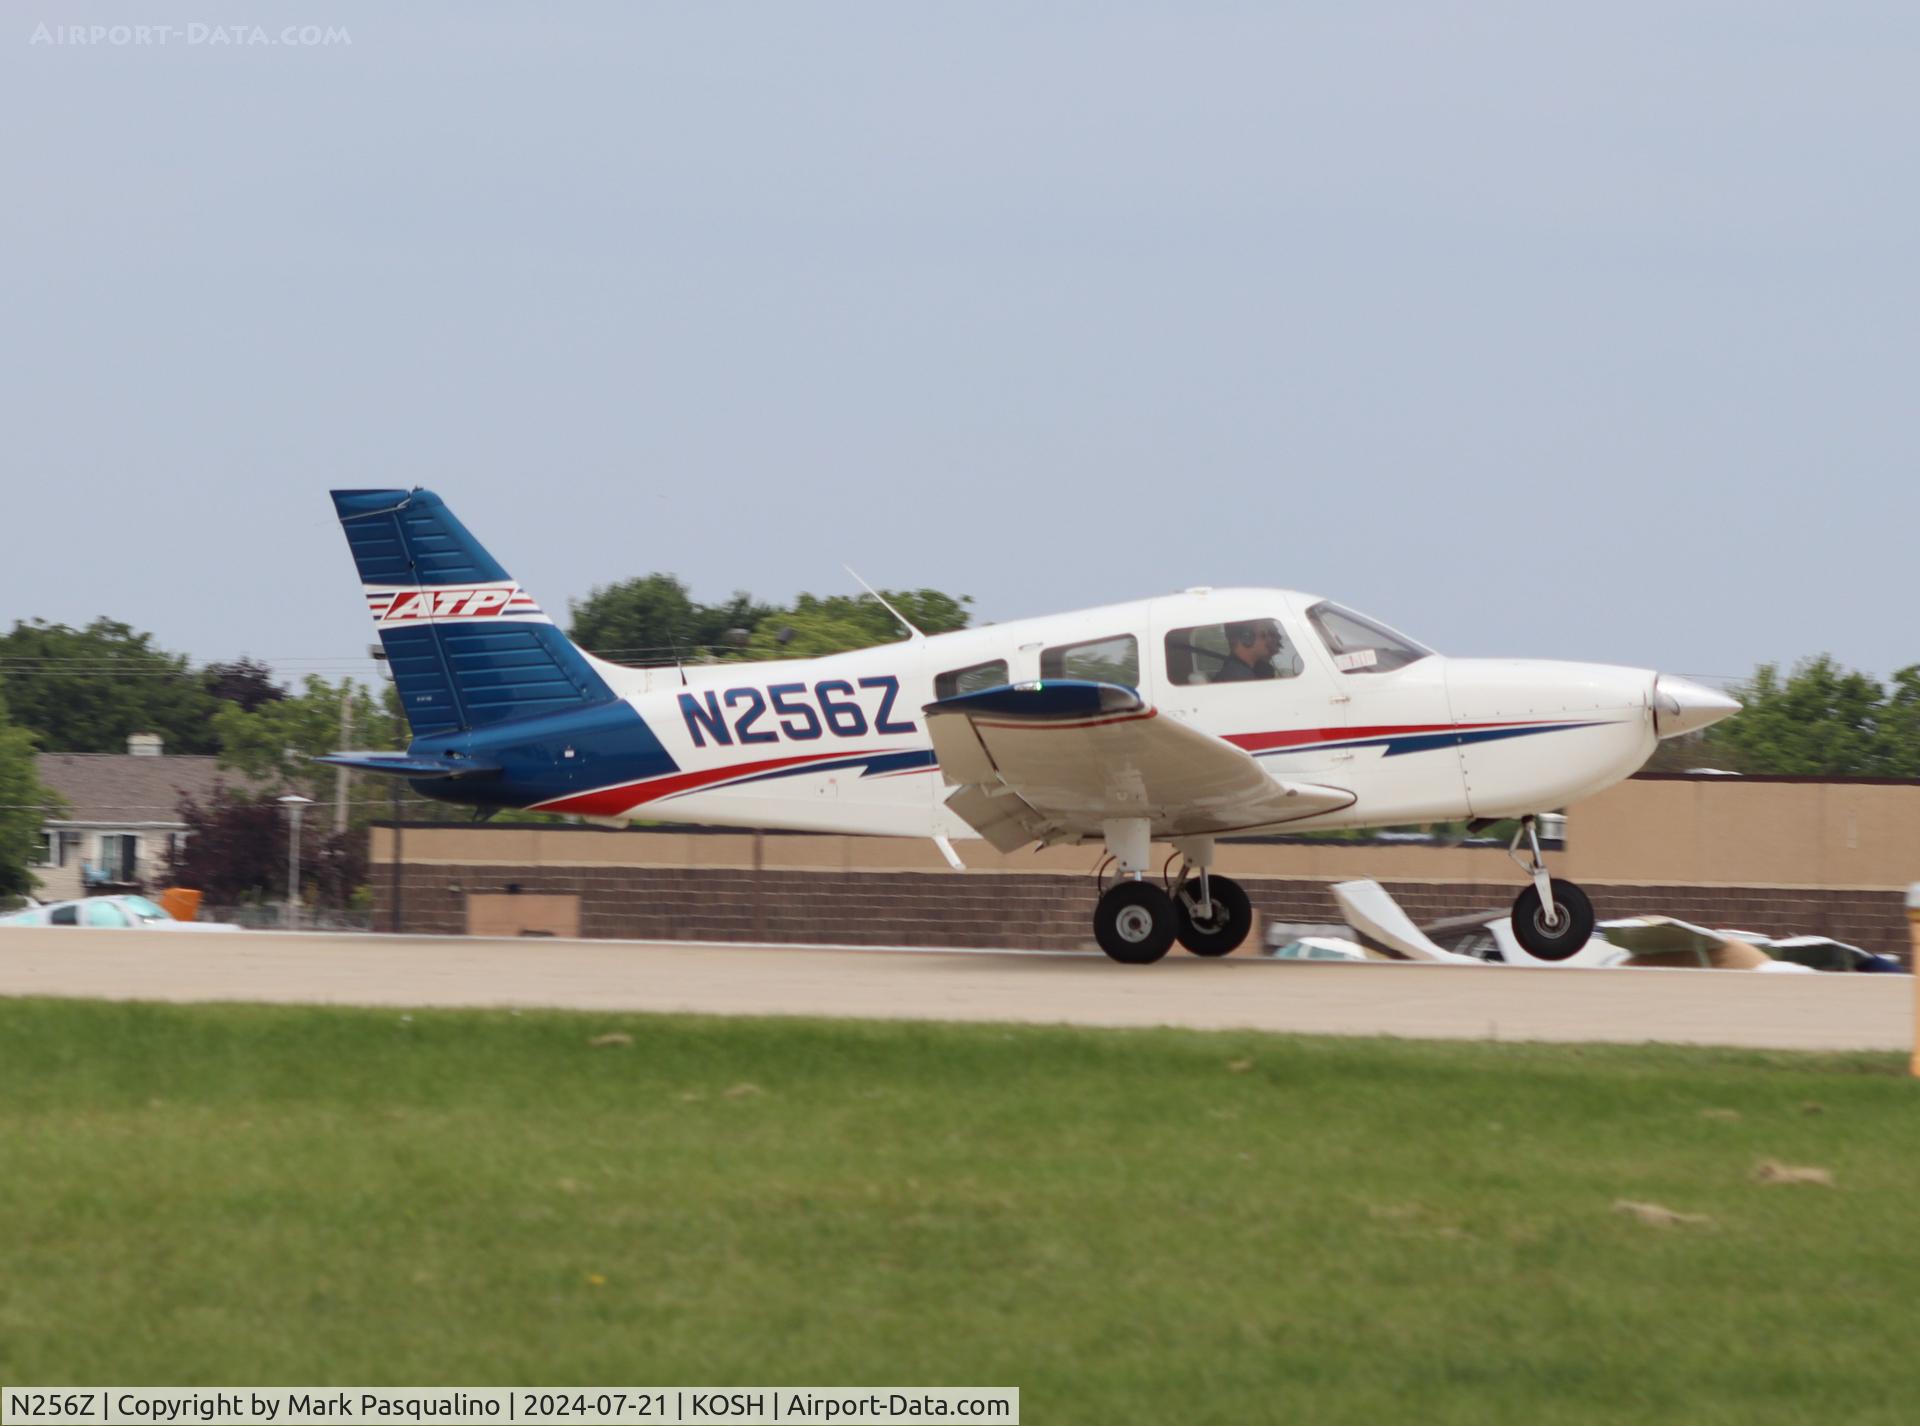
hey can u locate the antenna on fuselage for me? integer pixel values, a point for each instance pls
(914, 634)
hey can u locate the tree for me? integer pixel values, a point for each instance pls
(85, 690)
(840, 622)
(277, 741)
(1900, 724)
(275, 745)
(654, 620)
(722, 624)
(236, 851)
(246, 682)
(1822, 720)
(23, 807)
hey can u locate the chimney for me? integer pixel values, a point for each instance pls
(145, 745)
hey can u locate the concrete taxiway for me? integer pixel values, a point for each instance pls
(1825, 1012)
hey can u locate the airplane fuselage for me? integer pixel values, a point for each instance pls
(839, 744)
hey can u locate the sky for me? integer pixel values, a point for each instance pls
(1553, 331)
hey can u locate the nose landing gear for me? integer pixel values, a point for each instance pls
(1552, 919)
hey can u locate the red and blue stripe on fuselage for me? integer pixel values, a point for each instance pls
(624, 797)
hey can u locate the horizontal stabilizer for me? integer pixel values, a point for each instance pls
(416, 765)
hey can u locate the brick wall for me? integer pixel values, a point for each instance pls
(1037, 910)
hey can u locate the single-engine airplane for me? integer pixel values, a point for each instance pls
(1177, 719)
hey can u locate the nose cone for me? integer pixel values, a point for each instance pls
(1682, 706)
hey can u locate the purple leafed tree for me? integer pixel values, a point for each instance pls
(236, 849)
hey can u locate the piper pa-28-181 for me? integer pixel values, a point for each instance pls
(1178, 720)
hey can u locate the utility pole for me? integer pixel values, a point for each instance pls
(394, 925)
(340, 774)
(295, 804)
(378, 653)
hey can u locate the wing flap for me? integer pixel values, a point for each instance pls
(1006, 822)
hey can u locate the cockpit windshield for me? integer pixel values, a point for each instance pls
(1359, 645)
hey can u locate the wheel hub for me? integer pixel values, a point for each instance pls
(1214, 920)
(1134, 924)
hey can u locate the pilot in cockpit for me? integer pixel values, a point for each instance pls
(1251, 648)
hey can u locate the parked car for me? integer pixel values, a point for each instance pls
(106, 913)
(1317, 948)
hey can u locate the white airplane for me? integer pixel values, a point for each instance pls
(1178, 719)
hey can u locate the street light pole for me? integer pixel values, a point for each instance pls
(378, 653)
(294, 803)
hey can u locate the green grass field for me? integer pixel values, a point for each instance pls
(1129, 1226)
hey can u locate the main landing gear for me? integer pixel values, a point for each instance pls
(1136, 922)
(1551, 919)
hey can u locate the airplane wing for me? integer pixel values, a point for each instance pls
(1034, 761)
(1381, 924)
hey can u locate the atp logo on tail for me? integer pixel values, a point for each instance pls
(500, 600)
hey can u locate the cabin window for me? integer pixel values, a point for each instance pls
(1359, 645)
(971, 679)
(64, 916)
(1111, 660)
(1236, 651)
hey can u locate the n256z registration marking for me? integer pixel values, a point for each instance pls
(50, 1405)
(790, 712)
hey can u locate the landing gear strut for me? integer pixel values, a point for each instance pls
(1134, 921)
(1551, 919)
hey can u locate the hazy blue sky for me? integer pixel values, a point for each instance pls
(1589, 331)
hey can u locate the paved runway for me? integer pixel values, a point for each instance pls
(1855, 1012)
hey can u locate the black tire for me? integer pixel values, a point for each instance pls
(1556, 942)
(1135, 923)
(1232, 916)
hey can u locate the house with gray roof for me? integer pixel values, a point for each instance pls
(122, 815)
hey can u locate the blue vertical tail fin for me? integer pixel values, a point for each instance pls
(468, 647)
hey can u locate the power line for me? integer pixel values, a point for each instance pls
(175, 806)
